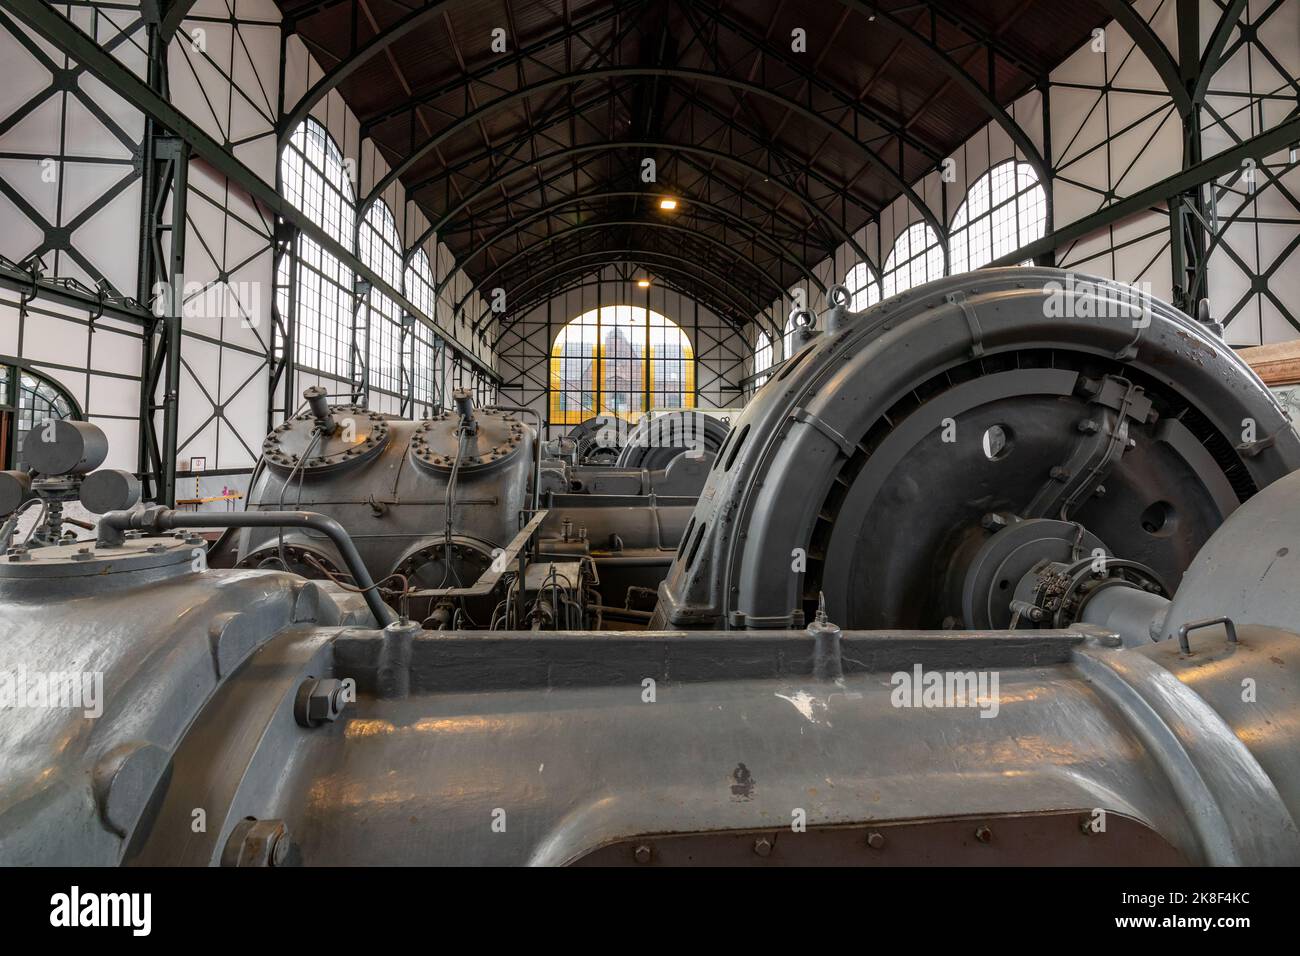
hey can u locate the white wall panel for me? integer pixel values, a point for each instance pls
(1115, 130)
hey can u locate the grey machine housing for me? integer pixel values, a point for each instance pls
(389, 482)
(917, 463)
(1106, 722)
(308, 736)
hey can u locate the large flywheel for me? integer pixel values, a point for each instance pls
(942, 459)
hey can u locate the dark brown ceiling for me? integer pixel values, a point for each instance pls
(773, 167)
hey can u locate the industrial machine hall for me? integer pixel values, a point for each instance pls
(648, 434)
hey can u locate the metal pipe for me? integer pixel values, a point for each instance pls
(318, 400)
(180, 166)
(537, 445)
(159, 519)
(624, 561)
(487, 581)
(623, 613)
(464, 403)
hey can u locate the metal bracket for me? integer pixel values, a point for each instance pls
(1252, 448)
(1130, 351)
(976, 333)
(1103, 441)
(808, 418)
(1185, 645)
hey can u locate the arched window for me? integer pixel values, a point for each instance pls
(26, 399)
(762, 352)
(1004, 209)
(419, 289)
(863, 288)
(315, 178)
(787, 336)
(762, 359)
(620, 360)
(916, 258)
(381, 250)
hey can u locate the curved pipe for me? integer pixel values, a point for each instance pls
(156, 520)
(537, 445)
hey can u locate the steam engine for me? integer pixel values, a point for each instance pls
(1073, 527)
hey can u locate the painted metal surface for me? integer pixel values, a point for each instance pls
(859, 466)
(1251, 570)
(158, 637)
(555, 748)
(515, 749)
(387, 484)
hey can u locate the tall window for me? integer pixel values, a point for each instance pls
(419, 289)
(1004, 209)
(863, 288)
(672, 363)
(917, 258)
(762, 354)
(620, 360)
(381, 250)
(315, 179)
(787, 336)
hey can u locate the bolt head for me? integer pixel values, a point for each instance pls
(984, 834)
(280, 849)
(876, 841)
(993, 521)
(642, 854)
(318, 702)
(763, 846)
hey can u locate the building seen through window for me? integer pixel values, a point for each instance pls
(620, 360)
